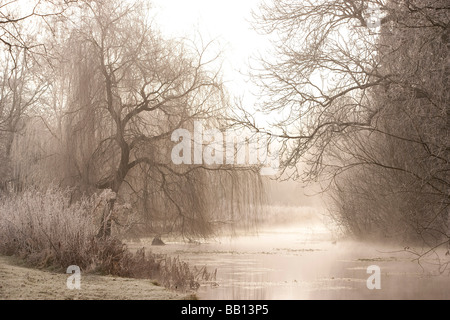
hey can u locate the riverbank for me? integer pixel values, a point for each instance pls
(21, 283)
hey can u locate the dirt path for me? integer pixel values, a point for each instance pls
(21, 283)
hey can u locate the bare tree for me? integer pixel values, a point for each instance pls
(20, 88)
(129, 89)
(15, 16)
(22, 81)
(359, 102)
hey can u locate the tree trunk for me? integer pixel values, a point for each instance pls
(105, 229)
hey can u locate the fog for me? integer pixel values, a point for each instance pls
(297, 252)
(273, 150)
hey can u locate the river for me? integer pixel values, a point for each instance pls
(299, 262)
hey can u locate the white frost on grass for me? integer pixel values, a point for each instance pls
(20, 283)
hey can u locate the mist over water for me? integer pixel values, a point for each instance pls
(305, 261)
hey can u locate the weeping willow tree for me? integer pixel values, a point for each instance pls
(118, 91)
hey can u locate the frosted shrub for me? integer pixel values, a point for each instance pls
(45, 229)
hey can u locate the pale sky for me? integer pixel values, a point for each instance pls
(225, 21)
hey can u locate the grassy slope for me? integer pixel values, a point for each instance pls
(17, 282)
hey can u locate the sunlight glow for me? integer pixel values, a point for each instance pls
(225, 22)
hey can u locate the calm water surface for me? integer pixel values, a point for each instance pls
(304, 263)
